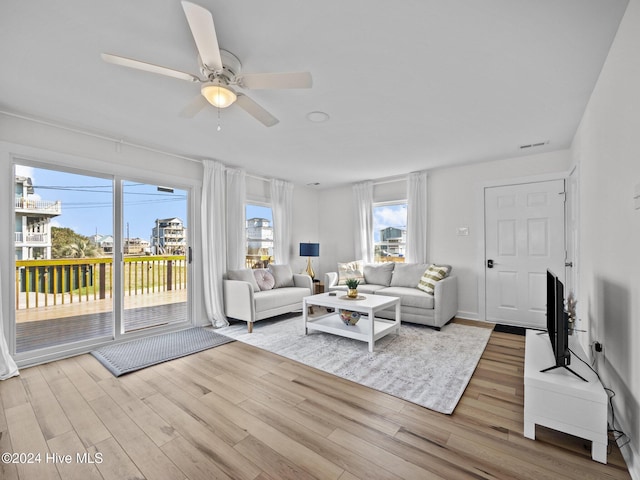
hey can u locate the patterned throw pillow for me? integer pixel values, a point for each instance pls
(264, 279)
(433, 274)
(350, 270)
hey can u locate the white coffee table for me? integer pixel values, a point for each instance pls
(368, 329)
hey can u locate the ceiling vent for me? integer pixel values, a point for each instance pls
(533, 145)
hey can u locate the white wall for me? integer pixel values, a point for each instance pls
(607, 150)
(336, 225)
(305, 221)
(454, 194)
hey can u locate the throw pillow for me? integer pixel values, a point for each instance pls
(282, 274)
(244, 275)
(433, 274)
(350, 270)
(408, 274)
(379, 274)
(264, 279)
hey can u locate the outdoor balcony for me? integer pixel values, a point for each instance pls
(40, 207)
(68, 300)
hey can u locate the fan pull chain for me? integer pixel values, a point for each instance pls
(219, 127)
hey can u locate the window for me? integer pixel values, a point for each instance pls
(389, 231)
(259, 235)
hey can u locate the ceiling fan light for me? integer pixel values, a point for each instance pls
(218, 95)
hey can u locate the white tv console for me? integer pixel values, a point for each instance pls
(559, 400)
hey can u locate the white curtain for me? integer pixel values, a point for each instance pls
(417, 217)
(8, 367)
(214, 259)
(282, 208)
(236, 225)
(363, 199)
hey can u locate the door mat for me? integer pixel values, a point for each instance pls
(134, 355)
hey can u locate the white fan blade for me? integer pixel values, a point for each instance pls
(256, 111)
(194, 107)
(148, 67)
(257, 81)
(204, 33)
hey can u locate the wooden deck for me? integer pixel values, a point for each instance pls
(57, 325)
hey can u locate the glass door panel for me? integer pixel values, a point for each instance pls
(63, 258)
(155, 248)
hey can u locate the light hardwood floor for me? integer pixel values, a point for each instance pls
(236, 412)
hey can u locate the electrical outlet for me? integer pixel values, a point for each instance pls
(598, 347)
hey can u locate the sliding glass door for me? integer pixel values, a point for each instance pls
(155, 259)
(63, 258)
(97, 258)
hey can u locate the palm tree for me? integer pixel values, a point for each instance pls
(80, 249)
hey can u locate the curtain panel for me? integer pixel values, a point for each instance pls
(235, 220)
(363, 200)
(8, 367)
(417, 217)
(282, 208)
(214, 252)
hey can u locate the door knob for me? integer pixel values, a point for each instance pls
(489, 263)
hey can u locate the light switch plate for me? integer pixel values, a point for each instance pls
(463, 231)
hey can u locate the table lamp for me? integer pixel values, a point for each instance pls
(310, 250)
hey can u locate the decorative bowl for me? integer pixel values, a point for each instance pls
(349, 317)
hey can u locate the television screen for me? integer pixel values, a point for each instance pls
(558, 324)
(551, 308)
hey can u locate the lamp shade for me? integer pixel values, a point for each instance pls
(309, 249)
(218, 95)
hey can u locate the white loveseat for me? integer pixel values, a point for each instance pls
(401, 280)
(246, 298)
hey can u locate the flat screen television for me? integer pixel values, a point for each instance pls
(558, 324)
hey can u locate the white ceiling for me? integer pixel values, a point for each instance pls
(409, 85)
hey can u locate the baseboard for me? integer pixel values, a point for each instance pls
(468, 315)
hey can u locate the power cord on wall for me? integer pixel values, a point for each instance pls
(617, 434)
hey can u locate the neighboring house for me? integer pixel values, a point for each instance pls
(169, 237)
(392, 242)
(104, 242)
(32, 221)
(136, 246)
(259, 240)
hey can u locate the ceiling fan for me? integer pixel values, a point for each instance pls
(221, 72)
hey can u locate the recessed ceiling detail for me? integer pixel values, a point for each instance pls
(318, 117)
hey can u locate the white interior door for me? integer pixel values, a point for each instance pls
(524, 235)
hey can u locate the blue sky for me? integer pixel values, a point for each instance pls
(258, 211)
(87, 202)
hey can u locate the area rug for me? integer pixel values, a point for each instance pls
(134, 355)
(421, 365)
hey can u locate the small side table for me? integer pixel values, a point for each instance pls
(318, 287)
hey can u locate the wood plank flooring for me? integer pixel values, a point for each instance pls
(237, 412)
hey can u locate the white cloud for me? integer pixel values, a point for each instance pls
(389, 216)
